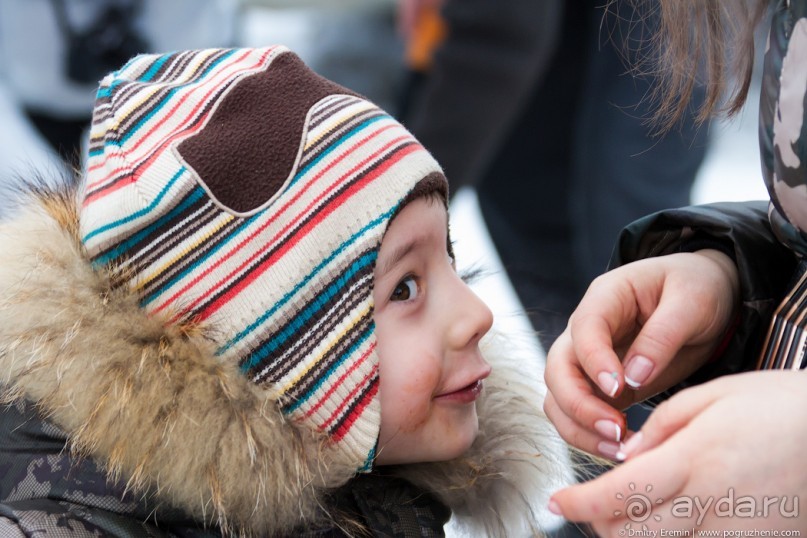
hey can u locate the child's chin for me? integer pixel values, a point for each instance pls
(453, 446)
(462, 442)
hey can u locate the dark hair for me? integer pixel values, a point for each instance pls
(707, 42)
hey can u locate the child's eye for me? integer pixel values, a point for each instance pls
(406, 290)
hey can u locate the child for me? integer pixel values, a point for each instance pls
(252, 324)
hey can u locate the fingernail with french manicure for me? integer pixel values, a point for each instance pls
(609, 449)
(638, 370)
(608, 383)
(608, 429)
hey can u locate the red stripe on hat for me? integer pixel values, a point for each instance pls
(268, 244)
(338, 411)
(327, 209)
(100, 193)
(336, 385)
(274, 217)
(357, 412)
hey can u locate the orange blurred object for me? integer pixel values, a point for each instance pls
(429, 32)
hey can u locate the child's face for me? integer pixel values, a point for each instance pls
(428, 327)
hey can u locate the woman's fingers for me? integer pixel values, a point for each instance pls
(671, 416)
(693, 308)
(601, 438)
(573, 401)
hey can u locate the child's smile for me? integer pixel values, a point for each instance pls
(428, 327)
(466, 394)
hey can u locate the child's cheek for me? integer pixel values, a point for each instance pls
(417, 393)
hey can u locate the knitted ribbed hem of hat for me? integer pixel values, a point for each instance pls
(237, 189)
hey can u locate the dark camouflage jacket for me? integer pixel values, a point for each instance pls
(46, 492)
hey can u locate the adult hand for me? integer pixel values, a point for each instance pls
(713, 456)
(663, 315)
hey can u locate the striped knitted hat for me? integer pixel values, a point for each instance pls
(241, 190)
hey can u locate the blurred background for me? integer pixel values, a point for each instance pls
(528, 105)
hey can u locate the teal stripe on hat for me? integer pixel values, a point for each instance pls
(106, 91)
(321, 379)
(368, 463)
(167, 98)
(310, 276)
(335, 144)
(308, 312)
(148, 75)
(123, 247)
(140, 213)
(155, 293)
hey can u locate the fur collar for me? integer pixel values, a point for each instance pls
(154, 406)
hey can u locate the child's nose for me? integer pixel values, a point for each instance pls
(470, 318)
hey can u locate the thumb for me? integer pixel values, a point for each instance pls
(693, 311)
(668, 418)
(651, 461)
(663, 471)
(672, 325)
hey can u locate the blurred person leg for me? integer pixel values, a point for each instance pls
(552, 133)
(523, 193)
(619, 170)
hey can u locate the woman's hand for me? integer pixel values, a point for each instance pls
(712, 456)
(664, 316)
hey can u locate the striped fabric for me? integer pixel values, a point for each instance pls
(287, 287)
(786, 342)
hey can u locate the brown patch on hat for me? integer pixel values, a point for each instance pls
(249, 147)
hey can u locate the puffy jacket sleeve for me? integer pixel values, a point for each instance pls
(742, 231)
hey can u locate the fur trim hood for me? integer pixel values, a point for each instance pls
(153, 405)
